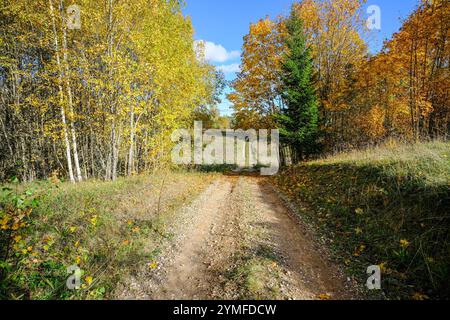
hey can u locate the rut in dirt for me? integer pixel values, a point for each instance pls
(236, 221)
(306, 272)
(189, 276)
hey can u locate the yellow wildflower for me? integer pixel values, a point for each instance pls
(383, 267)
(404, 243)
(89, 280)
(359, 251)
(420, 296)
(136, 230)
(4, 223)
(324, 296)
(94, 220)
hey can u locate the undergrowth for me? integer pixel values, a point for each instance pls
(387, 206)
(106, 229)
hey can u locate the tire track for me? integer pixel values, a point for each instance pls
(237, 240)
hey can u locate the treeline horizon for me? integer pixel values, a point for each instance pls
(360, 99)
(101, 101)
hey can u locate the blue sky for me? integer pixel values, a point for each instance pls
(224, 23)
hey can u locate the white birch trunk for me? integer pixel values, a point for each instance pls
(61, 96)
(131, 151)
(69, 93)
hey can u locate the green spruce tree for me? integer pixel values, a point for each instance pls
(298, 120)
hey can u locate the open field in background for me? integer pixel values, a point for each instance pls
(386, 206)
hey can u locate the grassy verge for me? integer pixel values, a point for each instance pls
(387, 206)
(256, 274)
(107, 229)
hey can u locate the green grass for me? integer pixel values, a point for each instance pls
(108, 229)
(426, 163)
(386, 206)
(255, 271)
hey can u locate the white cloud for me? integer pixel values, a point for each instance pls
(230, 68)
(217, 53)
(226, 108)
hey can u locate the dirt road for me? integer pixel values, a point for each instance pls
(239, 241)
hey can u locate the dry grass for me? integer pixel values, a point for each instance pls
(108, 229)
(388, 206)
(429, 162)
